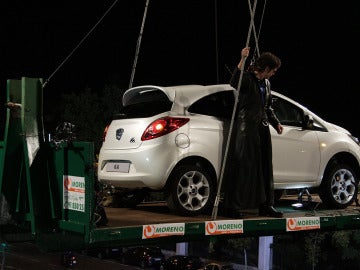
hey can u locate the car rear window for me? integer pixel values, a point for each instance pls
(145, 104)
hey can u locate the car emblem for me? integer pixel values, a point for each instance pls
(132, 140)
(119, 133)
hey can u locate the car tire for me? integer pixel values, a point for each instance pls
(191, 190)
(339, 187)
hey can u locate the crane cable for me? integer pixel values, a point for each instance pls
(250, 30)
(256, 37)
(138, 44)
(81, 41)
(216, 41)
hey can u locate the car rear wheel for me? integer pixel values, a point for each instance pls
(339, 187)
(191, 190)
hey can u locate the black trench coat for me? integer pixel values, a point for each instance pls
(248, 177)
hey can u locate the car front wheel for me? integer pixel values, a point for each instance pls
(191, 191)
(339, 187)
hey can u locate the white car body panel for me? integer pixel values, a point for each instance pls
(296, 155)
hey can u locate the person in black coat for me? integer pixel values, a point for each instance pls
(249, 174)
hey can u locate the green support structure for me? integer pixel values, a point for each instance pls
(3, 137)
(49, 187)
(23, 136)
(72, 188)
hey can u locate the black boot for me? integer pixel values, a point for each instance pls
(270, 211)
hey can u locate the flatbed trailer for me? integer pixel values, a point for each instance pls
(50, 190)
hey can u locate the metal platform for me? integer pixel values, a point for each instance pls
(149, 222)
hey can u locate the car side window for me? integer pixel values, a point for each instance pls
(219, 104)
(287, 113)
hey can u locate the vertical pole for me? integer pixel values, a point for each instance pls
(223, 165)
(182, 248)
(265, 253)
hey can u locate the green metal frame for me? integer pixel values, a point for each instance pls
(3, 138)
(70, 228)
(22, 140)
(33, 171)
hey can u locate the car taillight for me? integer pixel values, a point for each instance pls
(163, 126)
(105, 132)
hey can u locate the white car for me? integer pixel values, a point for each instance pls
(173, 139)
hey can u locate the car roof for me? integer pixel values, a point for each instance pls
(185, 95)
(181, 95)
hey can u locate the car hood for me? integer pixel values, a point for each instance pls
(338, 128)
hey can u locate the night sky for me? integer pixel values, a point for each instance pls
(186, 42)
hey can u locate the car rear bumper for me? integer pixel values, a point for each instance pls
(150, 168)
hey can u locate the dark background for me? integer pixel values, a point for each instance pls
(186, 42)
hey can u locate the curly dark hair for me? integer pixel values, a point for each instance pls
(266, 59)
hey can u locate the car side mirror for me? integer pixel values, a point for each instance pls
(308, 122)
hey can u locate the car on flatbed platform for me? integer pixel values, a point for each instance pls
(173, 139)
